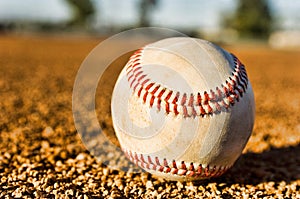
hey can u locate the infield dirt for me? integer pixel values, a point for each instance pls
(41, 154)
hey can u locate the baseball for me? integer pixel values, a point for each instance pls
(183, 109)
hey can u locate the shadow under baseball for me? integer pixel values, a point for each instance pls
(275, 165)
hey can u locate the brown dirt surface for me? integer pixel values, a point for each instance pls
(42, 156)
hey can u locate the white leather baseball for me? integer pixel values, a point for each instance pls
(183, 109)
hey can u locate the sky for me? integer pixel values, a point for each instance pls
(168, 13)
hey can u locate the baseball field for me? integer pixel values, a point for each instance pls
(42, 155)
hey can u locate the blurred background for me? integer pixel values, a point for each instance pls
(228, 21)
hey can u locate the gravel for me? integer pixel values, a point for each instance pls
(42, 156)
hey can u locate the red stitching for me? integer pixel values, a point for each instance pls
(189, 105)
(173, 167)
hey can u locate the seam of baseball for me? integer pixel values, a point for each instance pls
(189, 105)
(193, 170)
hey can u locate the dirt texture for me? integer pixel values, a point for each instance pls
(42, 155)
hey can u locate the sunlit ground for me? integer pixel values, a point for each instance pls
(41, 153)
